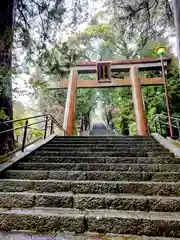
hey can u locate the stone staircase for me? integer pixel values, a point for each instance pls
(101, 130)
(121, 185)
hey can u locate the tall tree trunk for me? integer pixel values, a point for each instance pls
(176, 8)
(6, 40)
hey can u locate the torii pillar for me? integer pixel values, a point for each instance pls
(141, 119)
(70, 109)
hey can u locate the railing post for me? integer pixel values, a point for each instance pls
(52, 127)
(24, 136)
(45, 129)
(167, 98)
(155, 124)
(160, 125)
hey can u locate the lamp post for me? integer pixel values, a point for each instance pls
(161, 51)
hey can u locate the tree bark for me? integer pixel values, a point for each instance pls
(7, 11)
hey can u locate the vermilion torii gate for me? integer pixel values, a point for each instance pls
(134, 67)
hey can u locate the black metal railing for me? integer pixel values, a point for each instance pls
(43, 119)
(161, 125)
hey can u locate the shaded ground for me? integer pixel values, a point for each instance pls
(68, 236)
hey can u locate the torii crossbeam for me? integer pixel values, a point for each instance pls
(134, 80)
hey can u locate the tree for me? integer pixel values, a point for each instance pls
(156, 16)
(6, 39)
(31, 27)
(176, 7)
(53, 102)
(86, 103)
(136, 22)
(119, 100)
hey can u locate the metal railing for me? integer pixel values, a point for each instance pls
(47, 118)
(161, 124)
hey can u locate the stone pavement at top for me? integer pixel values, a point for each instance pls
(68, 236)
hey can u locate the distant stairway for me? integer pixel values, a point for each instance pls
(101, 130)
(122, 185)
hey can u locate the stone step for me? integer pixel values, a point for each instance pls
(94, 175)
(42, 220)
(28, 199)
(107, 145)
(124, 138)
(134, 222)
(115, 137)
(126, 202)
(104, 149)
(103, 144)
(134, 153)
(100, 187)
(98, 166)
(105, 140)
(102, 159)
(101, 133)
(92, 166)
(102, 221)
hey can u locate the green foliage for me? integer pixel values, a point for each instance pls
(174, 87)
(147, 19)
(2, 114)
(37, 133)
(101, 30)
(88, 77)
(58, 60)
(18, 124)
(49, 98)
(86, 101)
(121, 101)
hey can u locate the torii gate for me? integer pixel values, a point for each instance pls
(134, 81)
